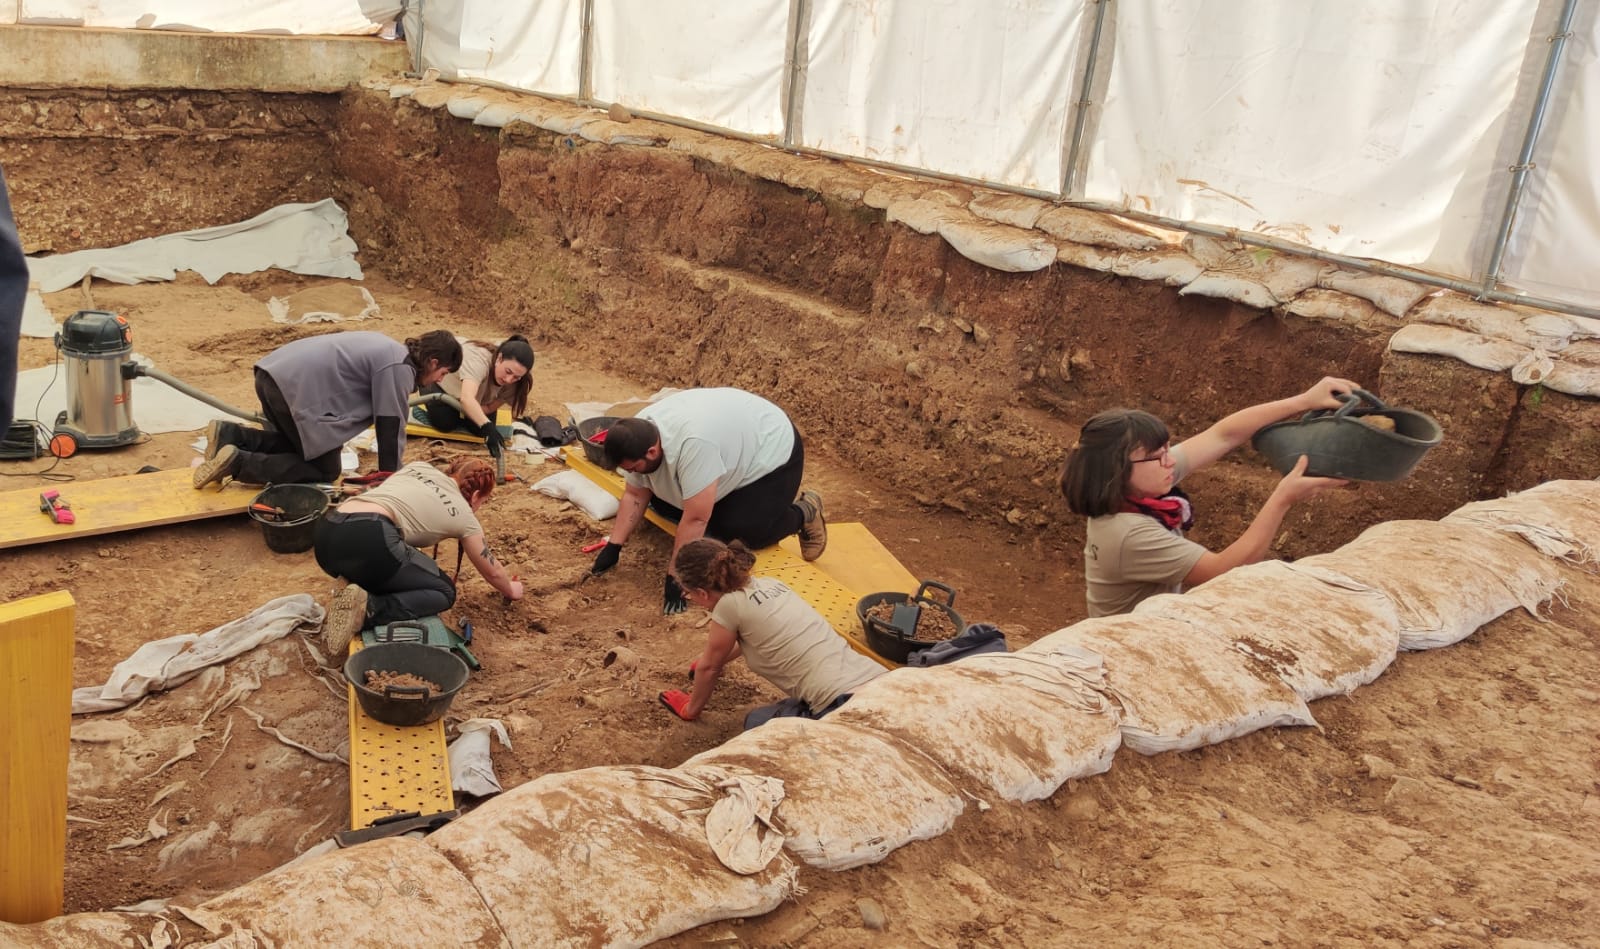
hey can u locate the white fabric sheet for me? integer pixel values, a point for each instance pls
(943, 86)
(708, 60)
(157, 407)
(529, 45)
(263, 16)
(301, 238)
(37, 320)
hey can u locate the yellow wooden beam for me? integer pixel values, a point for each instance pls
(36, 712)
(502, 421)
(118, 504)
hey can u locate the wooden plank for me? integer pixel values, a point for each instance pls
(36, 707)
(502, 421)
(117, 504)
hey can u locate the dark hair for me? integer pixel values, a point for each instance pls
(516, 348)
(709, 564)
(628, 439)
(438, 344)
(472, 475)
(1094, 479)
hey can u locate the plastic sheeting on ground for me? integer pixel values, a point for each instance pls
(300, 238)
(173, 660)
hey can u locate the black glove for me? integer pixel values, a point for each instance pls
(495, 440)
(606, 558)
(672, 600)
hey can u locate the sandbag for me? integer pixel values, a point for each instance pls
(1178, 690)
(90, 931)
(851, 795)
(1446, 578)
(394, 891)
(1020, 725)
(605, 857)
(1322, 633)
(1560, 519)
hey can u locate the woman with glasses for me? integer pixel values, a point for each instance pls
(1123, 475)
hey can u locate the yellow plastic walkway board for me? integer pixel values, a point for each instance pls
(502, 419)
(36, 706)
(854, 565)
(394, 770)
(117, 504)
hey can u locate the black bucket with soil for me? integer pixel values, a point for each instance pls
(899, 624)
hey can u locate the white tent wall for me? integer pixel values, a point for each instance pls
(531, 45)
(709, 61)
(8, 11)
(1347, 126)
(322, 17)
(930, 85)
(1555, 247)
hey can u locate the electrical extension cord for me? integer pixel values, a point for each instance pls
(25, 439)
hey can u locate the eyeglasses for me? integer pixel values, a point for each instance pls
(1160, 456)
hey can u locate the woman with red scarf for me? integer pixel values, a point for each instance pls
(1123, 474)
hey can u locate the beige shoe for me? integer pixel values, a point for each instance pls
(814, 530)
(221, 465)
(347, 614)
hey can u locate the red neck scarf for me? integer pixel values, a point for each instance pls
(1172, 509)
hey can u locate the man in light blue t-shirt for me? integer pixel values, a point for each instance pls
(723, 463)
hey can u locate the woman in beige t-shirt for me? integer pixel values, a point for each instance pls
(780, 635)
(372, 542)
(490, 376)
(1123, 473)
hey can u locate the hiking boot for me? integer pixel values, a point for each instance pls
(221, 465)
(814, 529)
(347, 614)
(220, 432)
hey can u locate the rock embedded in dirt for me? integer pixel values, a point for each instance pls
(872, 915)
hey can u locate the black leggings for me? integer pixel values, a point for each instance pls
(762, 512)
(402, 582)
(447, 418)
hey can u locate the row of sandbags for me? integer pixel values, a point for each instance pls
(621, 856)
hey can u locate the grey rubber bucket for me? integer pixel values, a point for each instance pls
(594, 451)
(1339, 444)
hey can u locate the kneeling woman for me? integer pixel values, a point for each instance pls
(780, 635)
(490, 376)
(372, 541)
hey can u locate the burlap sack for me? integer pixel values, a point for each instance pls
(1560, 519)
(1179, 689)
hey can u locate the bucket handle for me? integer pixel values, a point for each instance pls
(1351, 401)
(389, 629)
(949, 593)
(405, 691)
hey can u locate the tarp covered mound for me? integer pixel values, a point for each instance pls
(623, 856)
(851, 796)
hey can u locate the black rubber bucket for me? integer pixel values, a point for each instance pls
(404, 706)
(890, 641)
(1339, 444)
(594, 451)
(288, 515)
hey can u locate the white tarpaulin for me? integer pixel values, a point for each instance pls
(944, 86)
(301, 238)
(530, 45)
(263, 16)
(710, 61)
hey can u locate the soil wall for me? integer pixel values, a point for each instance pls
(958, 384)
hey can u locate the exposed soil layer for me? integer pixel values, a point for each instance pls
(1452, 802)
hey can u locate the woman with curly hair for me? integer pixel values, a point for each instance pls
(373, 542)
(784, 639)
(490, 376)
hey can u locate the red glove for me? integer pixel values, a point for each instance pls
(677, 700)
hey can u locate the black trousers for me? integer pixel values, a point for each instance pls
(276, 454)
(762, 512)
(447, 418)
(402, 582)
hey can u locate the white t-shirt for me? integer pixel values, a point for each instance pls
(726, 437)
(789, 644)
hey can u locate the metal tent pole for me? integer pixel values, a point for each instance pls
(1069, 173)
(1519, 171)
(799, 59)
(586, 54)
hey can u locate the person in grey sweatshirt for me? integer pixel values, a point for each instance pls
(318, 393)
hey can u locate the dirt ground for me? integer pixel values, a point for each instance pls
(1453, 802)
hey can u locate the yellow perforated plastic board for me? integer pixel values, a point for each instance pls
(502, 420)
(117, 504)
(394, 770)
(854, 565)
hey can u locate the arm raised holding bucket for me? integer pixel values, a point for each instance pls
(1123, 474)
